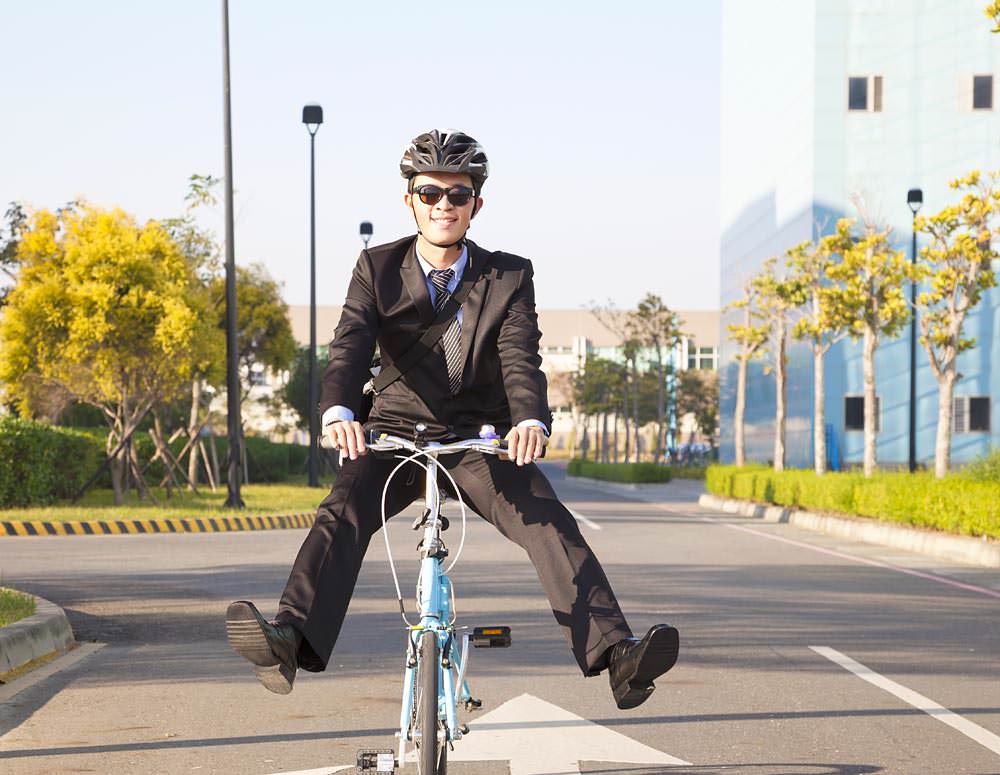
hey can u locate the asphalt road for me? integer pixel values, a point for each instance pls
(800, 653)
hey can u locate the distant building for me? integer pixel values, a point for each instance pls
(823, 100)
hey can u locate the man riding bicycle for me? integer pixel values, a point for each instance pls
(484, 368)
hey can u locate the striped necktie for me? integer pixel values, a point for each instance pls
(451, 341)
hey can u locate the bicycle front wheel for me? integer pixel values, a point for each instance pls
(427, 710)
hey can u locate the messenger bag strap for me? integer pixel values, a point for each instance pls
(422, 346)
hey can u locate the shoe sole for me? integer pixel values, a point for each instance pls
(659, 655)
(246, 637)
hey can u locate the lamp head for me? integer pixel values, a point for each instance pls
(312, 117)
(914, 198)
(366, 231)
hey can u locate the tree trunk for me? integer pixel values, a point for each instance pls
(661, 410)
(614, 439)
(942, 448)
(868, 362)
(604, 437)
(117, 467)
(780, 391)
(192, 430)
(819, 413)
(741, 406)
(635, 410)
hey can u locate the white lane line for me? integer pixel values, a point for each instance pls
(982, 736)
(580, 518)
(865, 560)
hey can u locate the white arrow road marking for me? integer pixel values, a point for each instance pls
(539, 738)
(982, 736)
(580, 518)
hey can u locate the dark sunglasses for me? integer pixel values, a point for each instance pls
(458, 195)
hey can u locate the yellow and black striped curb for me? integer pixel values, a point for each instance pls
(135, 526)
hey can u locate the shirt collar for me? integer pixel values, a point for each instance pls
(458, 267)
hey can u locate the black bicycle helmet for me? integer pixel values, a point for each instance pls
(445, 150)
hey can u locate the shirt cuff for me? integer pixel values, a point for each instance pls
(535, 424)
(336, 414)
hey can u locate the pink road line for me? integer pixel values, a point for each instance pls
(865, 560)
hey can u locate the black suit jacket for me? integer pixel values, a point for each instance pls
(388, 303)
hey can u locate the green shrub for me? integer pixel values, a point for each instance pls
(631, 473)
(39, 463)
(960, 503)
(985, 468)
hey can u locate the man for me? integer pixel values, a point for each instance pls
(484, 369)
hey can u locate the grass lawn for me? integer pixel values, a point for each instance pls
(293, 496)
(15, 605)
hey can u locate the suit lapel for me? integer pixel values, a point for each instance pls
(416, 284)
(472, 308)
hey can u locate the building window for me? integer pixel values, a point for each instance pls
(857, 93)
(971, 414)
(982, 92)
(707, 358)
(877, 93)
(854, 413)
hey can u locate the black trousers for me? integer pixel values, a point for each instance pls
(518, 501)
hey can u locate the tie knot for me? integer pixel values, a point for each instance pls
(440, 279)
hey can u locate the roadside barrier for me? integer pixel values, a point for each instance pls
(142, 526)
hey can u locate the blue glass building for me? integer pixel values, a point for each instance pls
(824, 101)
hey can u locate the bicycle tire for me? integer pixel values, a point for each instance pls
(427, 712)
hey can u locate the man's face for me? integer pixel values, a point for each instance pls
(443, 222)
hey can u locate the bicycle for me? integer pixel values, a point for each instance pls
(435, 679)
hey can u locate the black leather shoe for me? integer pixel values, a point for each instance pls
(633, 664)
(272, 649)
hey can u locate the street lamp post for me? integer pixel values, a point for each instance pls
(366, 232)
(312, 117)
(914, 198)
(233, 499)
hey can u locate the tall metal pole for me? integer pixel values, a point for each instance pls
(232, 364)
(313, 397)
(913, 354)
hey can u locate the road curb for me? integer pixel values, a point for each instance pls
(143, 526)
(46, 632)
(965, 549)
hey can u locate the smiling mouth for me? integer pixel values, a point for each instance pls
(444, 221)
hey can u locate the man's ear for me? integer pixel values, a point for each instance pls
(476, 207)
(408, 200)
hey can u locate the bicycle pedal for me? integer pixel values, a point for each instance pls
(491, 637)
(376, 760)
(472, 704)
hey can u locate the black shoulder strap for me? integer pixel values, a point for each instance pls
(423, 345)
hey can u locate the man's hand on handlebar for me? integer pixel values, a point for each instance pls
(347, 436)
(525, 444)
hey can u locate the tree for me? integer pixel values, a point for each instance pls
(107, 310)
(751, 337)
(263, 329)
(778, 295)
(9, 238)
(619, 323)
(992, 11)
(959, 267)
(698, 395)
(811, 262)
(597, 389)
(868, 301)
(656, 327)
(296, 392)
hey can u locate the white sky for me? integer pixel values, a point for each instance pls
(601, 121)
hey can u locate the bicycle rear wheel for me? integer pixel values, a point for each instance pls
(428, 756)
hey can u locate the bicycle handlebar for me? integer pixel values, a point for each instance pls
(388, 443)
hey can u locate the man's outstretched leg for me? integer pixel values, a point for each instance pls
(320, 585)
(520, 502)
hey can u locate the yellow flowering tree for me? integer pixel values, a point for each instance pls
(750, 337)
(811, 261)
(868, 301)
(958, 268)
(779, 292)
(107, 310)
(992, 11)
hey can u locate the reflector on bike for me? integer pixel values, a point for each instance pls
(491, 637)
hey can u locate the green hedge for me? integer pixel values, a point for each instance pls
(956, 504)
(632, 473)
(39, 464)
